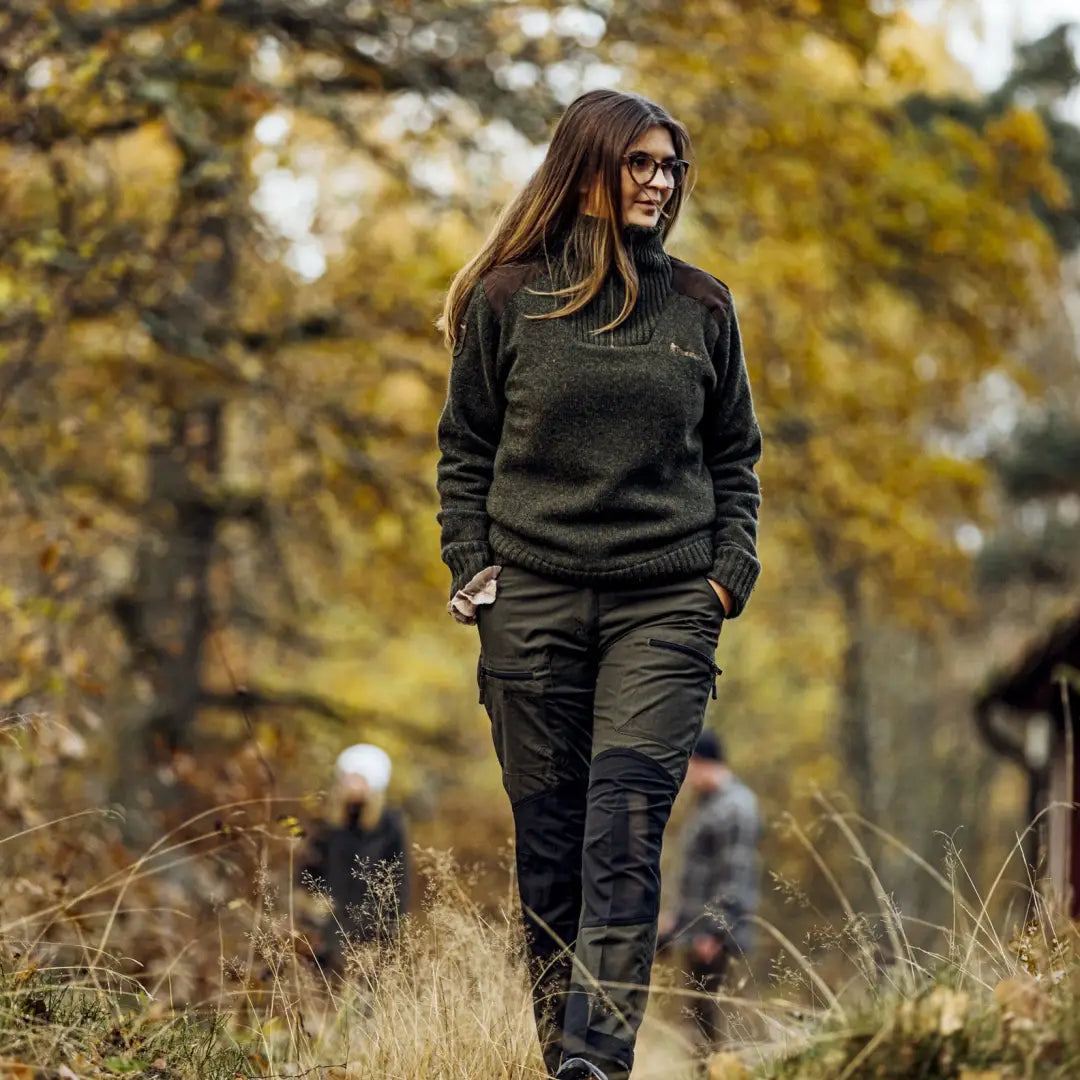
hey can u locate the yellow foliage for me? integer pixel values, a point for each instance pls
(822, 213)
(879, 271)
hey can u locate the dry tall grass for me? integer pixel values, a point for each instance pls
(448, 998)
(983, 1003)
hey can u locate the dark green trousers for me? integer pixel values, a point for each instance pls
(596, 698)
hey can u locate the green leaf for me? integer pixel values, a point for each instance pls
(124, 1065)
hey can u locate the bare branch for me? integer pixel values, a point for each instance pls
(283, 634)
(25, 364)
(248, 699)
(89, 29)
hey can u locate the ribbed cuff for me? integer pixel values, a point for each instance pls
(737, 570)
(465, 561)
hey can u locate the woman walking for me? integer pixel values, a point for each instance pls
(599, 518)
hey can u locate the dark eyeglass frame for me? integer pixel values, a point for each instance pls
(674, 169)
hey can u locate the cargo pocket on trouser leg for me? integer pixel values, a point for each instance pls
(695, 654)
(549, 821)
(515, 700)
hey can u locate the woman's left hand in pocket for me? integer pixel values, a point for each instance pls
(725, 597)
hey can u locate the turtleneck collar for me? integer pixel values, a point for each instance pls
(644, 243)
(646, 246)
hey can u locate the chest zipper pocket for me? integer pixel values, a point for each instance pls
(689, 650)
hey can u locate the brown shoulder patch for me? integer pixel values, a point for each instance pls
(703, 287)
(502, 282)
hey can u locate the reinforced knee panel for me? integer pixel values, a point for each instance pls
(630, 800)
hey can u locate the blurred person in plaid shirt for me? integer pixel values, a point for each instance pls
(718, 886)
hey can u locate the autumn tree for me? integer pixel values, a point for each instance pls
(227, 228)
(1037, 535)
(881, 269)
(203, 444)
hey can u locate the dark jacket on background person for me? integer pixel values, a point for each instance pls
(366, 873)
(586, 458)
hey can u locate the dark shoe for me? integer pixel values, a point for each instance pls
(579, 1069)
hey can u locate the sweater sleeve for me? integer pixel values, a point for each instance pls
(468, 435)
(732, 443)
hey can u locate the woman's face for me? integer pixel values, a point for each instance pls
(641, 203)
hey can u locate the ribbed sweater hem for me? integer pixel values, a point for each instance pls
(466, 558)
(693, 556)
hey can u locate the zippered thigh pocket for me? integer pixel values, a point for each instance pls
(689, 650)
(516, 680)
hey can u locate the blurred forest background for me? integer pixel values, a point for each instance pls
(226, 227)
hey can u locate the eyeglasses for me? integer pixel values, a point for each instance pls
(643, 168)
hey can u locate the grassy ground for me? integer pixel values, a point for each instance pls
(449, 1002)
(1019, 1028)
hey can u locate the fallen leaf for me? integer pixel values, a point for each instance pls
(16, 1070)
(49, 558)
(1021, 1001)
(727, 1067)
(124, 1065)
(951, 1007)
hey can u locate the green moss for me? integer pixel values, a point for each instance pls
(47, 1022)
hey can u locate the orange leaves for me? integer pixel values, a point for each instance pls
(15, 1070)
(49, 558)
(1022, 1002)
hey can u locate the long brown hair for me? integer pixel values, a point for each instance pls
(588, 146)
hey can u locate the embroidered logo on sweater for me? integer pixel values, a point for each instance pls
(678, 350)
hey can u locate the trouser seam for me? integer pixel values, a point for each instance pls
(629, 751)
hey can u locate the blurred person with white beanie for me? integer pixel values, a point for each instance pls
(356, 858)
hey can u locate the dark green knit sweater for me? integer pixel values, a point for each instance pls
(619, 459)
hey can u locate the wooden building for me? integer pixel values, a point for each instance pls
(1031, 714)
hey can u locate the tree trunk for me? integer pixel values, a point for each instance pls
(166, 613)
(189, 311)
(856, 745)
